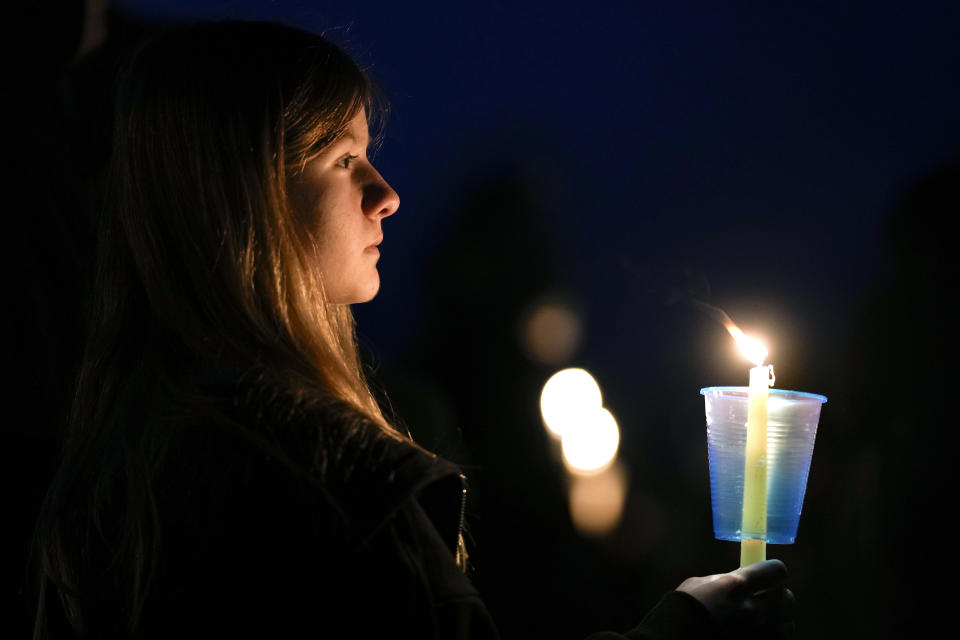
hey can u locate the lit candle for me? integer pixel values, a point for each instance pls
(753, 546)
(755, 472)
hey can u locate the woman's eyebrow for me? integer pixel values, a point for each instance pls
(335, 145)
(350, 137)
(356, 134)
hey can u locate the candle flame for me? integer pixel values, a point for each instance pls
(752, 349)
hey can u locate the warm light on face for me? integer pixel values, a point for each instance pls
(568, 398)
(591, 445)
(344, 200)
(752, 349)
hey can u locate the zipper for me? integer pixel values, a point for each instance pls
(459, 545)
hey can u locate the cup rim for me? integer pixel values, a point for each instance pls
(745, 391)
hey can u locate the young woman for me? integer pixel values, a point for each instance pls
(227, 470)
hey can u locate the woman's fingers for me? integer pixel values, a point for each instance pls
(748, 603)
(771, 613)
(774, 602)
(761, 576)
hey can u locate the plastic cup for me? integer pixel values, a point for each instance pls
(791, 430)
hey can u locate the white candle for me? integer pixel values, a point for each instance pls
(753, 547)
(753, 525)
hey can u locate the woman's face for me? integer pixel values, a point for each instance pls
(345, 199)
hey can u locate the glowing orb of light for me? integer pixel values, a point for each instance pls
(550, 333)
(591, 445)
(596, 501)
(569, 397)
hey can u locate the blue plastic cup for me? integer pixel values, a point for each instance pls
(791, 429)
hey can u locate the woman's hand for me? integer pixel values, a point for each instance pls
(751, 602)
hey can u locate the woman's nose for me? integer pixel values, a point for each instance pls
(379, 198)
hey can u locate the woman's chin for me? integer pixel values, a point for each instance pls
(360, 294)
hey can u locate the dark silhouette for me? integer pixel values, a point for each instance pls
(898, 452)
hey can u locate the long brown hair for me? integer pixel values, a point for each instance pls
(201, 264)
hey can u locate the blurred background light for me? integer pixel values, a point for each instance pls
(590, 445)
(596, 501)
(569, 397)
(550, 333)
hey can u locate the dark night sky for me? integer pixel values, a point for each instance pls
(761, 145)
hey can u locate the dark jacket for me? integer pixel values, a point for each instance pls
(314, 523)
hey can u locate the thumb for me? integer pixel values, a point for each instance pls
(761, 576)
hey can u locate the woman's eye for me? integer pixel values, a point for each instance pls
(346, 161)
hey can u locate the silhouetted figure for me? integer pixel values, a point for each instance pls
(900, 450)
(57, 98)
(498, 258)
(46, 266)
